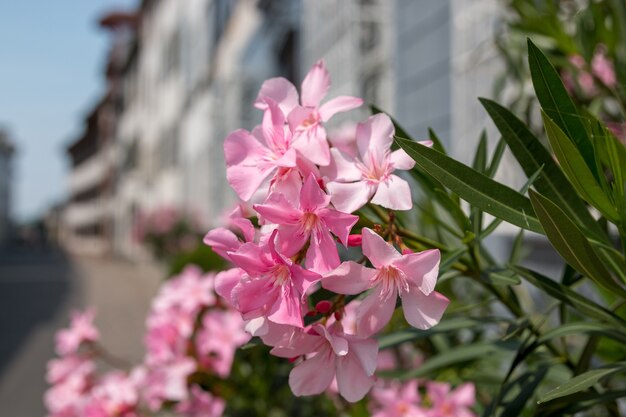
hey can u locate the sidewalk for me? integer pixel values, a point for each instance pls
(38, 289)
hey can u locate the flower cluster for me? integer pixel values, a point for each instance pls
(166, 231)
(305, 189)
(189, 333)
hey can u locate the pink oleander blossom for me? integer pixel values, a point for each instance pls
(115, 395)
(603, 68)
(275, 286)
(412, 277)
(308, 220)
(201, 404)
(81, 330)
(329, 353)
(394, 399)
(252, 157)
(447, 403)
(355, 180)
(306, 119)
(222, 332)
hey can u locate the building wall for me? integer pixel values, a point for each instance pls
(5, 192)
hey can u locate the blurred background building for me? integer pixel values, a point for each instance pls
(6, 154)
(182, 74)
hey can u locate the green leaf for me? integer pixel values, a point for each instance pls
(583, 381)
(568, 329)
(448, 325)
(557, 104)
(577, 171)
(501, 277)
(571, 243)
(531, 154)
(456, 355)
(498, 152)
(569, 297)
(474, 187)
(579, 402)
(528, 383)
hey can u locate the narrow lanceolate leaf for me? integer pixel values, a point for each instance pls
(474, 187)
(456, 355)
(571, 243)
(577, 171)
(557, 103)
(531, 154)
(582, 328)
(582, 304)
(583, 381)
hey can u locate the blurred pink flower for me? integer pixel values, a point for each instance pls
(81, 330)
(446, 403)
(397, 400)
(201, 404)
(222, 332)
(412, 277)
(602, 67)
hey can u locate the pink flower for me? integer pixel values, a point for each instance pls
(369, 175)
(222, 332)
(252, 157)
(397, 400)
(450, 404)
(114, 395)
(60, 369)
(275, 287)
(306, 120)
(168, 382)
(201, 404)
(81, 330)
(602, 67)
(330, 354)
(411, 276)
(309, 220)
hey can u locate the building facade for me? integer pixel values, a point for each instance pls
(7, 151)
(191, 70)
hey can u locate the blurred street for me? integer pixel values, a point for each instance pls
(38, 289)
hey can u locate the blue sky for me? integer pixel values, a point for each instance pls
(51, 62)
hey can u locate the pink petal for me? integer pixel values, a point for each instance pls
(245, 180)
(240, 146)
(421, 269)
(351, 196)
(322, 255)
(423, 311)
(277, 209)
(339, 223)
(338, 343)
(291, 239)
(288, 160)
(352, 380)
(315, 85)
(349, 278)
(314, 375)
(225, 281)
(312, 197)
(338, 105)
(222, 241)
(297, 116)
(273, 127)
(401, 160)
(374, 136)
(253, 297)
(393, 193)
(341, 168)
(286, 310)
(374, 313)
(291, 342)
(252, 259)
(464, 395)
(367, 352)
(379, 252)
(438, 391)
(303, 279)
(313, 145)
(281, 91)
